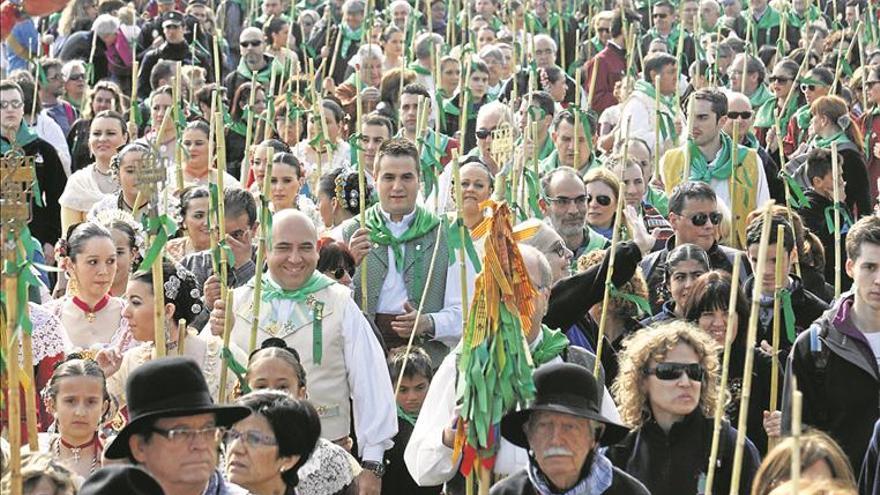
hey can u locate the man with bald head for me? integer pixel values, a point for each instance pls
(741, 115)
(254, 60)
(338, 350)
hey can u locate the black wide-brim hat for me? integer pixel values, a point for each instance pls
(563, 388)
(121, 479)
(167, 388)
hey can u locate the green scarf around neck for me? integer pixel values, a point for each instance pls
(423, 222)
(263, 76)
(349, 36)
(666, 111)
(761, 96)
(409, 418)
(765, 117)
(671, 38)
(316, 282)
(553, 342)
(23, 137)
(700, 170)
(825, 142)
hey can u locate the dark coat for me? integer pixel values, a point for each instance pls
(78, 143)
(813, 216)
(806, 306)
(176, 52)
(675, 463)
(869, 478)
(519, 484)
(78, 46)
(610, 68)
(838, 376)
(397, 480)
(571, 299)
(316, 42)
(45, 224)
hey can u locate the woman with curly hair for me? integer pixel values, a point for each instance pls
(182, 302)
(821, 459)
(707, 307)
(667, 390)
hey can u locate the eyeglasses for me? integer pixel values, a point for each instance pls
(246, 44)
(484, 133)
(14, 104)
(340, 272)
(739, 115)
(560, 250)
(673, 371)
(565, 201)
(779, 79)
(700, 218)
(189, 435)
(602, 199)
(660, 15)
(252, 439)
(76, 77)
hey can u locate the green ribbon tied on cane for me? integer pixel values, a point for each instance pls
(455, 242)
(165, 228)
(354, 145)
(787, 314)
(222, 245)
(433, 147)
(829, 218)
(553, 342)
(797, 198)
(533, 192)
(639, 301)
(237, 369)
(21, 268)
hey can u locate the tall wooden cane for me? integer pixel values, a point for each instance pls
(835, 171)
(262, 247)
(774, 363)
(606, 298)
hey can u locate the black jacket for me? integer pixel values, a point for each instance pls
(813, 216)
(78, 46)
(519, 484)
(869, 478)
(675, 463)
(178, 52)
(805, 305)
(759, 400)
(45, 224)
(571, 299)
(838, 376)
(78, 143)
(397, 480)
(654, 269)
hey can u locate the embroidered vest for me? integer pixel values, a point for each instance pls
(328, 383)
(742, 186)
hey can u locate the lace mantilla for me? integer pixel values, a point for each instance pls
(329, 469)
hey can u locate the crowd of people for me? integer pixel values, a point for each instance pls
(256, 229)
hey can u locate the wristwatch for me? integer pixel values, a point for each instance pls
(377, 468)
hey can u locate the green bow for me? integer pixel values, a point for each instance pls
(553, 342)
(25, 278)
(349, 36)
(165, 228)
(433, 149)
(316, 282)
(797, 199)
(423, 222)
(237, 369)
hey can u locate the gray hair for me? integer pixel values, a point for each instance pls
(529, 249)
(425, 44)
(493, 52)
(68, 67)
(105, 25)
(493, 107)
(308, 13)
(713, 4)
(397, 3)
(370, 51)
(353, 6)
(547, 38)
(250, 31)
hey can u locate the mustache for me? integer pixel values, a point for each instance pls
(557, 452)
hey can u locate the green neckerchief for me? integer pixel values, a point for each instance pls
(537, 25)
(423, 222)
(239, 126)
(553, 342)
(671, 38)
(765, 117)
(23, 137)
(349, 36)
(802, 117)
(760, 96)
(700, 170)
(598, 46)
(418, 69)
(751, 141)
(317, 281)
(797, 22)
(264, 76)
(820, 142)
(409, 418)
(768, 21)
(433, 150)
(787, 313)
(658, 199)
(665, 113)
(845, 219)
(550, 163)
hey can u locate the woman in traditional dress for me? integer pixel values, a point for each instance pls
(125, 165)
(182, 302)
(194, 206)
(339, 199)
(91, 317)
(197, 169)
(334, 151)
(164, 138)
(128, 238)
(89, 185)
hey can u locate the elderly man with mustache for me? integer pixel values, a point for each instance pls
(561, 430)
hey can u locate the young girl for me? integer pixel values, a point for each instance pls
(77, 398)
(125, 165)
(91, 317)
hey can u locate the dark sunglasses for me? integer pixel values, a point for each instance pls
(340, 272)
(660, 15)
(603, 30)
(779, 79)
(673, 371)
(245, 44)
(700, 218)
(76, 77)
(601, 199)
(810, 87)
(739, 115)
(484, 133)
